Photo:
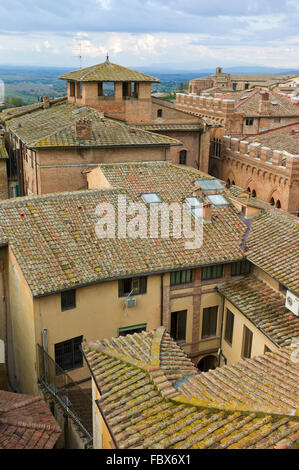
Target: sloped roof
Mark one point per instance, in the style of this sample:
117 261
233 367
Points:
273 245
255 407
108 72
55 127
26 423
250 105
264 307
54 235
283 139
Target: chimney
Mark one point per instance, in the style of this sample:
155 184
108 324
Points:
264 106
207 210
84 128
46 102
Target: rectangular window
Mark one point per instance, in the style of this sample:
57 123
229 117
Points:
133 286
241 267
212 272
247 343
72 89
178 325
159 113
209 322
229 326
100 89
79 89
249 121
130 330
68 300
181 277
68 354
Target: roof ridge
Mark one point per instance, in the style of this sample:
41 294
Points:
21 404
234 407
24 424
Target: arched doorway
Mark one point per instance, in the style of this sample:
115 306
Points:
228 183
278 204
272 202
207 363
233 183
183 157
253 194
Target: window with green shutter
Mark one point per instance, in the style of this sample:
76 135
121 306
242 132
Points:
212 272
181 277
229 326
241 267
247 343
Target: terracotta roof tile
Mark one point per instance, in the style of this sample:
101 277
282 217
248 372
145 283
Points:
248 405
108 72
264 306
26 423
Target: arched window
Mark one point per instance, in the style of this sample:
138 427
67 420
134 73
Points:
272 202
249 190
253 194
278 204
183 157
159 113
228 183
207 363
233 183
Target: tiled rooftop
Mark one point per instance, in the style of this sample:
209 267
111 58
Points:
108 72
26 423
273 245
284 139
253 404
54 235
55 127
171 127
250 106
264 307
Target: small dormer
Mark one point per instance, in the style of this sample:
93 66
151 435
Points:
117 91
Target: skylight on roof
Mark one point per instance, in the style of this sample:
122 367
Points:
195 205
151 198
218 200
210 184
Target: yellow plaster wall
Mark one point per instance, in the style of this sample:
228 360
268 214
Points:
233 353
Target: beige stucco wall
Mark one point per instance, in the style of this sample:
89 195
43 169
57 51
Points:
233 353
99 313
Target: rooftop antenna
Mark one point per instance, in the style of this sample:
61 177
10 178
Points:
79 56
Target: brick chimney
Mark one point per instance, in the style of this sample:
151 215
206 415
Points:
207 210
84 128
46 102
264 106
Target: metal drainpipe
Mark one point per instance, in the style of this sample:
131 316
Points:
162 303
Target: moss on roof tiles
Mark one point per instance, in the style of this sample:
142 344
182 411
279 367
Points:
54 240
108 72
255 400
264 307
55 127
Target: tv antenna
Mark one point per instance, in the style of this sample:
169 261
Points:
79 55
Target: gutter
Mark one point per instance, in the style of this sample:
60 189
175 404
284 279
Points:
97 401
128 276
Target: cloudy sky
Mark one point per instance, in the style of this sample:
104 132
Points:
179 34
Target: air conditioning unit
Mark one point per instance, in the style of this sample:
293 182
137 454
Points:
130 302
292 303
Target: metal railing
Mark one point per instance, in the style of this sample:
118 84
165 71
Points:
68 393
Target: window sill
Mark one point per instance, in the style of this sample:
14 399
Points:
182 286
65 309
